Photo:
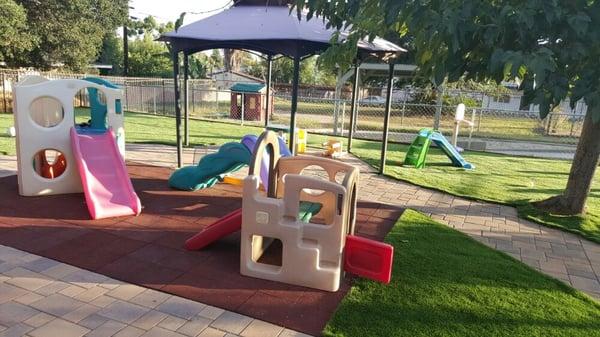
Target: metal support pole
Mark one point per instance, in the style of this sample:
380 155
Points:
175 57
186 101
386 120
294 108
268 95
125 52
353 109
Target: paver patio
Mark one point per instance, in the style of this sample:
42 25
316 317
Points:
565 256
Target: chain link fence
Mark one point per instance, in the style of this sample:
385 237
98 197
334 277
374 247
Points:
495 119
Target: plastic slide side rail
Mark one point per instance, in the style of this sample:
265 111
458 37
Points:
368 258
226 225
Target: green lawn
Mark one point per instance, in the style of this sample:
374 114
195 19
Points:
497 178
446 284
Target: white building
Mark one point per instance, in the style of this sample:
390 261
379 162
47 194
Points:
226 79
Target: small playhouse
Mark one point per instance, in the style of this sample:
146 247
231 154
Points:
248 101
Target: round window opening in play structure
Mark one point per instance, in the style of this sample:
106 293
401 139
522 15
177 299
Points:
49 163
314 171
46 112
90 107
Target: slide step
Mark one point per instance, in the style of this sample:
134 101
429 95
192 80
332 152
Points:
368 258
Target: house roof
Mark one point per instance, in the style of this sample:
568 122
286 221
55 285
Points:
248 76
248 87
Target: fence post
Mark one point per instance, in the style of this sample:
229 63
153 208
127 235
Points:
403 109
343 117
243 109
336 105
4 92
217 102
154 99
164 102
126 97
438 108
193 110
142 103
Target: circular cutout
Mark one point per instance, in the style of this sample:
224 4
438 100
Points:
46 111
49 163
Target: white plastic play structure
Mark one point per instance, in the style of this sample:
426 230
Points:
312 253
459 117
45 127
307 214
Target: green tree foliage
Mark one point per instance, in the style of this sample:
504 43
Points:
311 72
112 54
15 38
149 58
67 32
551 47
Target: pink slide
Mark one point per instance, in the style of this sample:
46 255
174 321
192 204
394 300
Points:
106 184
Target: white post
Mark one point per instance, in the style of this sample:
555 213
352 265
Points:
243 108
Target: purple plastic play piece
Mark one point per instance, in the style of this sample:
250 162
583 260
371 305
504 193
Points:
250 142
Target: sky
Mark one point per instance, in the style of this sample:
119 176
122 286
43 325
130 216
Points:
169 10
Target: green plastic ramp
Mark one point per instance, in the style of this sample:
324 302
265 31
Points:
211 168
417 152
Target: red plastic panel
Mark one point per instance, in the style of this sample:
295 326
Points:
228 224
368 258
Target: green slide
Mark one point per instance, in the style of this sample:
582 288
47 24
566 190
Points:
211 168
417 152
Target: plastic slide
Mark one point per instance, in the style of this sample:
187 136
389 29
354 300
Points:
211 168
417 152
106 184
214 167
450 151
232 223
226 225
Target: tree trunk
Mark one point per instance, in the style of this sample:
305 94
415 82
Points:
585 162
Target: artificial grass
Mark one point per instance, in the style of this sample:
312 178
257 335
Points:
447 284
497 178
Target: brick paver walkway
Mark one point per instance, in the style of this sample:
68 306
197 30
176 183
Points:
39 296
43 297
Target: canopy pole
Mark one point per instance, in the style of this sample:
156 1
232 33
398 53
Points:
386 120
268 95
175 57
294 108
353 109
186 105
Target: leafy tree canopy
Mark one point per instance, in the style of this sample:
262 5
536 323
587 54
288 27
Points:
64 32
14 34
551 47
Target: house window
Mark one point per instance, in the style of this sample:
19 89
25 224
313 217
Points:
501 99
252 103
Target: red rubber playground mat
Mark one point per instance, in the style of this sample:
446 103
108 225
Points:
148 250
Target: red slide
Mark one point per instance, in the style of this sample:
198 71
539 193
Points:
228 224
368 258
